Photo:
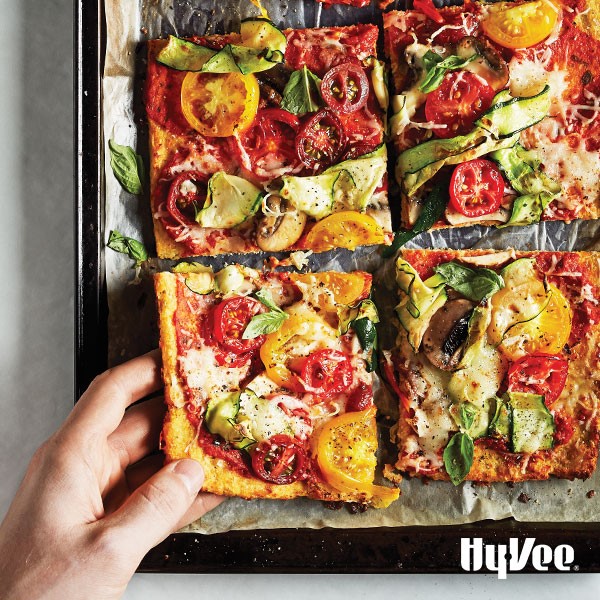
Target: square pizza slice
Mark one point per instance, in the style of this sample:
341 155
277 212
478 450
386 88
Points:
268 382
267 140
496 106
496 364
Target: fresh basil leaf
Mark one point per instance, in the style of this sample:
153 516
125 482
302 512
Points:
474 284
367 336
127 166
467 413
126 245
433 210
264 296
264 324
302 93
458 457
431 59
438 69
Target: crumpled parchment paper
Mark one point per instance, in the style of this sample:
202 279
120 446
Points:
132 311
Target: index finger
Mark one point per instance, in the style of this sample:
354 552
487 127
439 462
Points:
102 406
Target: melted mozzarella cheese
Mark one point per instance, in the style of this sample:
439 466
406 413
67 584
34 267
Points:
201 373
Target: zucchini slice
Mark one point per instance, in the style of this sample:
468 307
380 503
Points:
183 55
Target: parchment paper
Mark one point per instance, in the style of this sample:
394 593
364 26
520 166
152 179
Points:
132 312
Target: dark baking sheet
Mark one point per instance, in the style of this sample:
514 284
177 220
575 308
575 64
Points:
378 550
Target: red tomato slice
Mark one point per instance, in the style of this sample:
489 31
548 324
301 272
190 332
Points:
321 141
428 8
345 88
186 197
280 460
360 398
230 319
327 373
543 374
457 103
271 141
476 188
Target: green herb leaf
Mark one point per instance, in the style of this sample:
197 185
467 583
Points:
265 297
268 322
475 284
438 67
126 245
367 336
264 324
467 413
458 457
302 93
127 166
433 210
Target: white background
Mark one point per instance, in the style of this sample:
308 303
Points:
36 315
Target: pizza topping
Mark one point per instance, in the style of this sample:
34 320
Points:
280 460
484 61
229 202
187 195
280 226
321 141
543 374
457 103
346 455
427 7
532 423
184 55
219 105
302 92
346 229
266 322
327 373
231 319
476 188
520 26
444 339
270 142
475 284
345 88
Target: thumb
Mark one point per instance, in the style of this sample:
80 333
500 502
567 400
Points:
158 506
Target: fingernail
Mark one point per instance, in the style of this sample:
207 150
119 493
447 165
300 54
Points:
191 473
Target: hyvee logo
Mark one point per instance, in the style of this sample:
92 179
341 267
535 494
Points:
512 559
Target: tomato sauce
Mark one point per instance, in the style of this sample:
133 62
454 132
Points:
425 263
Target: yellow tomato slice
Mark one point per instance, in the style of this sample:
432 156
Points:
302 332
219 104
545 334
346 288
346 455
520 26
346 229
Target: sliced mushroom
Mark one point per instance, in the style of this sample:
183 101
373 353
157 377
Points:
281 226
447 333
489 64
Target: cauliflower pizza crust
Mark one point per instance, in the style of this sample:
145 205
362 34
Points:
504 98
284 156
267 382
503 388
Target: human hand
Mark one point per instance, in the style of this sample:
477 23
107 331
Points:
94 499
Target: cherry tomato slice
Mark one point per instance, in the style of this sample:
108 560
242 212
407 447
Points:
476 188
270 141
360 398
428 8
345 88
544 374
230 318
522 25
186 197
457 103
327 373
280 460
321 141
